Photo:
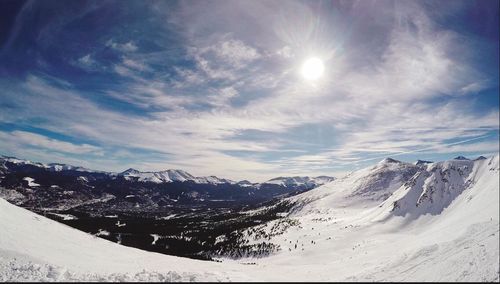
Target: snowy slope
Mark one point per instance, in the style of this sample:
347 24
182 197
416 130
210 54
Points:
157 177
348 230
300 181
363 188
34 248
445 228
171 176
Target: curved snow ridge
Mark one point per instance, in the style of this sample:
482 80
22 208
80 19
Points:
360 189
399 188
432 190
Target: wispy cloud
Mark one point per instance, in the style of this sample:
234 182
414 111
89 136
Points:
209 94
36 140
123 47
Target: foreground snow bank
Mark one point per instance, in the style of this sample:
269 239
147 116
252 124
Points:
20 268
34 248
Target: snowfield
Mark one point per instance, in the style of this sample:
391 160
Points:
394 221
34 248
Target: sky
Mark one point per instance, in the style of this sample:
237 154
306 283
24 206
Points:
215 87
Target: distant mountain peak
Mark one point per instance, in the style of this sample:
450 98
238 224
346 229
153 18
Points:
300 181
480 158
460 158
129 171
423 162
389 161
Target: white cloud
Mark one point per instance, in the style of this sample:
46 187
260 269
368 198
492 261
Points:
473 87
133 64
224 58
235 52
285 51
86 62
377 102
37 140
222 96
123 47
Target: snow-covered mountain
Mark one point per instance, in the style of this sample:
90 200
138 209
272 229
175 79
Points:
56 167
175 175
300 181
171 176
393 221
438 186
60 186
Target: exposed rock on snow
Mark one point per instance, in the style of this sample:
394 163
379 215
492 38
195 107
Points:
423 162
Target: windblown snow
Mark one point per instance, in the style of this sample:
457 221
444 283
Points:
394 221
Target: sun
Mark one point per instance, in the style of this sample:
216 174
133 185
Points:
313 68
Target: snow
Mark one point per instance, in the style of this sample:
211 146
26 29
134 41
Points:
213 180
83 179
295 181
168 176
102 233
158 177
220 239
19 161
31 182
171 216
53 166
155 238
34 248
65 216
56 167
346 230
344 234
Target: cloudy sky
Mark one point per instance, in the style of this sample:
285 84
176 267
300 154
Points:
215 87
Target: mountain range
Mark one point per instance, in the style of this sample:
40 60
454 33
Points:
65 186
392 221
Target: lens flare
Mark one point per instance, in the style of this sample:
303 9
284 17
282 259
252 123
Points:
313 68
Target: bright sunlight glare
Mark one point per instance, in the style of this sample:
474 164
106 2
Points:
313 68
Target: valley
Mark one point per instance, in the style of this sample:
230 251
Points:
393 221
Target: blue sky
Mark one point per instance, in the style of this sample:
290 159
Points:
214 87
